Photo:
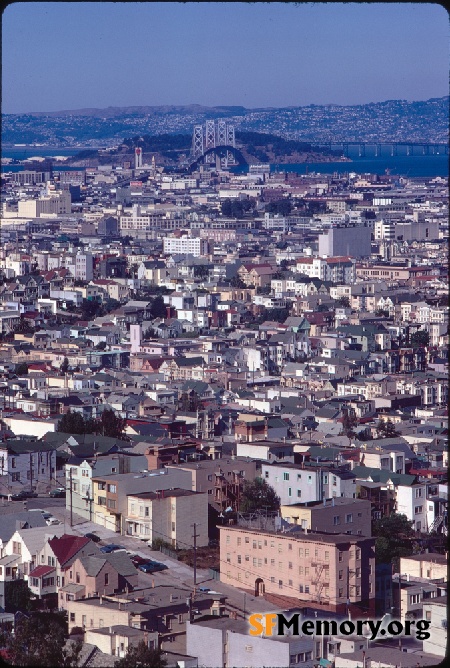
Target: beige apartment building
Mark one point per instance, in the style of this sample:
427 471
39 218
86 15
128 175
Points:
168 515
337 515
330 572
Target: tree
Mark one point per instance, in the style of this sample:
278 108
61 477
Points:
158 308
21 369
40 640
17 596
393 539
101 345
420 339
349 421
111 424
381 427
382 313
390 430
201 270
386 429
90 309
73 422
141 655
64 366
237 282
258 495
344 301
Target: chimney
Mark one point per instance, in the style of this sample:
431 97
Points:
111 630
101 600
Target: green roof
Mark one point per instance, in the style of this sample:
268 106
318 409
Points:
382 475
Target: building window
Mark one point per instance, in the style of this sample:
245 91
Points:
285 476
336 520
106 578
306 589
349 518
239 540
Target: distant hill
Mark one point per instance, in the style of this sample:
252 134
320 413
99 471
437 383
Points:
390 121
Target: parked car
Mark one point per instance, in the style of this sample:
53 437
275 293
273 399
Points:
93 537
59 493
44 513
152 566
137 560
111 548
23 495
52 520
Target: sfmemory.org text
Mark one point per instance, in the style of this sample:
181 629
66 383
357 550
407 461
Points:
272 624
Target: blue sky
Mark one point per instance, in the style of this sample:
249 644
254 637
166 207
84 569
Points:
66 55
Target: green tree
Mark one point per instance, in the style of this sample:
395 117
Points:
40 640
393 536
73 422
237 282
381 427
349 422
21 369
90 309
258 495
201 270
141 656
64 366
390 430
344 301
420 339
17 596
111 424
101 345
158 308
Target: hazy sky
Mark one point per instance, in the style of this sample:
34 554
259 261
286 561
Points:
70 55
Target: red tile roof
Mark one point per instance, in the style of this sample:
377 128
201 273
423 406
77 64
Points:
65 547
40 571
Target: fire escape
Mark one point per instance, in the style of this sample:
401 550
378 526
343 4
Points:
320 578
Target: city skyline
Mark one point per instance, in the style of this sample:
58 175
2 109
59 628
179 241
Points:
212 54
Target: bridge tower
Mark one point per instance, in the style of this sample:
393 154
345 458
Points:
231 141
210 141
221 133
197 142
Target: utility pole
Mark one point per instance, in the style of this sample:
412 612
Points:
195 536
71 491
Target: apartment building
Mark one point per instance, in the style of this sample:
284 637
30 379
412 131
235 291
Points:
349 516
222 480
168 515
328 571
110 506
186 244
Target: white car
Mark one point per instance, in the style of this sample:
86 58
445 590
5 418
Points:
52 520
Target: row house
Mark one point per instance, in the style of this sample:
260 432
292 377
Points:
53 559
256 275
183 368
334 572
26 464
